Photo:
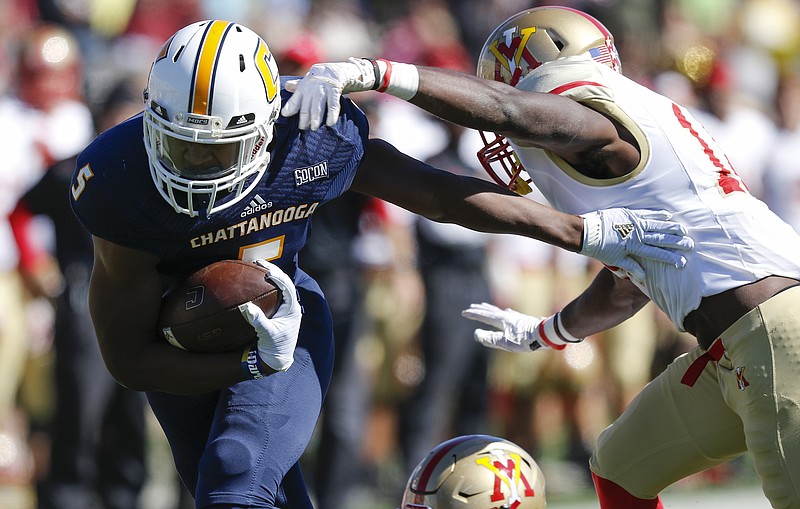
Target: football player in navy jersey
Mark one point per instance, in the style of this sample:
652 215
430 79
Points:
210 171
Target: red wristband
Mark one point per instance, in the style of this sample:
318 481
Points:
387 76
547 341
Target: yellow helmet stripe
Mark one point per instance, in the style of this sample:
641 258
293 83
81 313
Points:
499 56
265 63
525 34
206 65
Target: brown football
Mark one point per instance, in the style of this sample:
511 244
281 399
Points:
201 312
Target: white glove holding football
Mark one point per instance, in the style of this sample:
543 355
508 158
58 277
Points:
616 236
277 336
517 332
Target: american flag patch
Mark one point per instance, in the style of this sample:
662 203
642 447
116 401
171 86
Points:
601 54
606 54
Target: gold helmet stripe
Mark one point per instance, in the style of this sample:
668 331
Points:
205 67
265 63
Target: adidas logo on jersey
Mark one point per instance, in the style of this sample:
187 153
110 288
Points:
257 204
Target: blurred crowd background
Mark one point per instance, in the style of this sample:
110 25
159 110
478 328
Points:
408 373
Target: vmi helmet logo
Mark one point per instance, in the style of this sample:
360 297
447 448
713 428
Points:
512 54
510 482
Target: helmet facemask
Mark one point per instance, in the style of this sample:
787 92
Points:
501 163
210 107
518 46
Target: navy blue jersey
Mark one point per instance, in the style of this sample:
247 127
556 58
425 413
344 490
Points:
115 198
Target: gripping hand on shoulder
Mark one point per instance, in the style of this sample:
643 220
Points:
277 336
316 97
317 94
616 237
517 332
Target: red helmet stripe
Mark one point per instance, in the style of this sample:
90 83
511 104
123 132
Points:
427 472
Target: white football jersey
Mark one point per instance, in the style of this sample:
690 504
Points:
738 240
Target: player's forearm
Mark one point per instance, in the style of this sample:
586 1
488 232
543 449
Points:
607 302
474 203
124 301
543 120
495 211
464 99
141 361
161 367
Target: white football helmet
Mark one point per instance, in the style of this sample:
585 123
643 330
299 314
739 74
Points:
211 101
476 472
521 44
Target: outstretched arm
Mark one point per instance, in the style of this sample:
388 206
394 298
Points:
573 131
477 204
612 236
607 302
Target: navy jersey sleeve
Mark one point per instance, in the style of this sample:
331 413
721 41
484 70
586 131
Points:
352 125
111 192
341 145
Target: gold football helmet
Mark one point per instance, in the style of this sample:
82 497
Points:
476 472
521 44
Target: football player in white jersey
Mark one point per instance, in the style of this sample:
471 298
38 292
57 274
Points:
549 81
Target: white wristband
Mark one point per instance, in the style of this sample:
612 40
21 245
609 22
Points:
397 79
563 332
553 333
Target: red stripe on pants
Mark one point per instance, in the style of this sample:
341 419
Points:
612 496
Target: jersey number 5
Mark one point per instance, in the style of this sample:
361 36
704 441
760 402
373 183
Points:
84 174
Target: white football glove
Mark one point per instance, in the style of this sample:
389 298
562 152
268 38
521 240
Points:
616 236
517 332
317 95
277 336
